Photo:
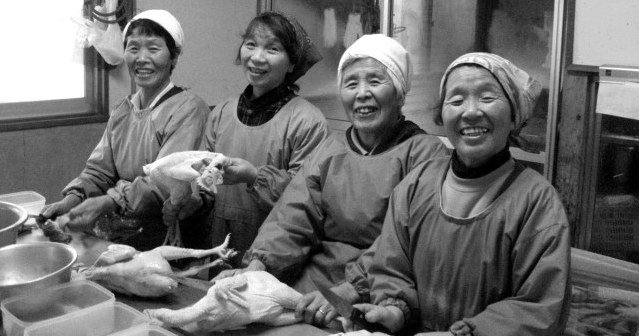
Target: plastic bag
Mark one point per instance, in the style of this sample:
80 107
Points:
105 38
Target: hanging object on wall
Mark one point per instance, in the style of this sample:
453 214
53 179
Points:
353 30
102 30
330 28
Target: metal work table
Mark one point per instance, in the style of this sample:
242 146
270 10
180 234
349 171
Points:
89 248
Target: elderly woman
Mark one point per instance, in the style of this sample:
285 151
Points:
267 131
333 209
159 119
475 244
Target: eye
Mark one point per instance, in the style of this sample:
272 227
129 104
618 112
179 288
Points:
351 84
249 44
454 101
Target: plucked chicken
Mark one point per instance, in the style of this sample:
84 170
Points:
125 270
233 303
183 173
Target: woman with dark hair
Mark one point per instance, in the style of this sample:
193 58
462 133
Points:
267 131
159 119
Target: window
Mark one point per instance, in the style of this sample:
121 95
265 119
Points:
46 80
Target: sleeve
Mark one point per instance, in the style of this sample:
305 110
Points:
99 173
390 273
271 181
183 131
288 235
356 272
540 280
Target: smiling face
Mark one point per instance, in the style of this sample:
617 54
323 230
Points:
149 61
476 114
369 99
264 60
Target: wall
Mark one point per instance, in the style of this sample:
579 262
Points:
46 159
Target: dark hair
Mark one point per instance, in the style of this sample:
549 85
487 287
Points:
151 28
285 33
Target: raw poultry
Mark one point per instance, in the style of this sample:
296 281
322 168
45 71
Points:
233 303
148 274
183 173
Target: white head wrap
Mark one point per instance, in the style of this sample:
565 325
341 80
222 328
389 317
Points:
521 89
385 50
166 20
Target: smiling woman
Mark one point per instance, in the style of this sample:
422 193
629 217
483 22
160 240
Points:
46 79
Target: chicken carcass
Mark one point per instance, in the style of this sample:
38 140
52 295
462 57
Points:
182 173
148 274
233 303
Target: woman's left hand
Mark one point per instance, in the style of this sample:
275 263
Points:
84 215
314 308
239 171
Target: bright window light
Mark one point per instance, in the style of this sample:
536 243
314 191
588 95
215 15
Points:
39 58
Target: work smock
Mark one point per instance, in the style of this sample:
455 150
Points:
135 137
276 148
505 270
333 210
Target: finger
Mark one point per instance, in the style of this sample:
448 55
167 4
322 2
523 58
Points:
300 309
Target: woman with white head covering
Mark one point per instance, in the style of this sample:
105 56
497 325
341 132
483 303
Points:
159 119
475 244
332 210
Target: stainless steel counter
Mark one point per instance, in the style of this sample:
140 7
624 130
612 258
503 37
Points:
89 248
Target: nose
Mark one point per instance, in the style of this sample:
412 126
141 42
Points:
142 55
362 92
472 110
257 55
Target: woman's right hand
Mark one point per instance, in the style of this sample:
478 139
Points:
390 317
61 207
254 265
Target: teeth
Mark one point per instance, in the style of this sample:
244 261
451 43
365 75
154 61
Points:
474 131
143 71
365 109
257 71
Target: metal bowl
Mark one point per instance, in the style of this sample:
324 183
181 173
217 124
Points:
12 216
25 268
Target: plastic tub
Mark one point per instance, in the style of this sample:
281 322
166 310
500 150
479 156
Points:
30 200
145 330
100 321
22 311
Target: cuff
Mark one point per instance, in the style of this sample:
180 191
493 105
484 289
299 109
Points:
348 291
77 193
118 198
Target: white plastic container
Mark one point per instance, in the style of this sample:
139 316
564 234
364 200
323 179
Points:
50 304
145 330
102 321
30 200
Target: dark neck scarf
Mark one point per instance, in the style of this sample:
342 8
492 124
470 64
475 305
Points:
255 112
401 131
463 171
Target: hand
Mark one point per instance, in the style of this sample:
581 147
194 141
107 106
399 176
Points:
314 309
172 213
461 328
61 207
254 265
390 317
84 215
239 171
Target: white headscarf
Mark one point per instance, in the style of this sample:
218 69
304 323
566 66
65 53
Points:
388 52
521 90
166 20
